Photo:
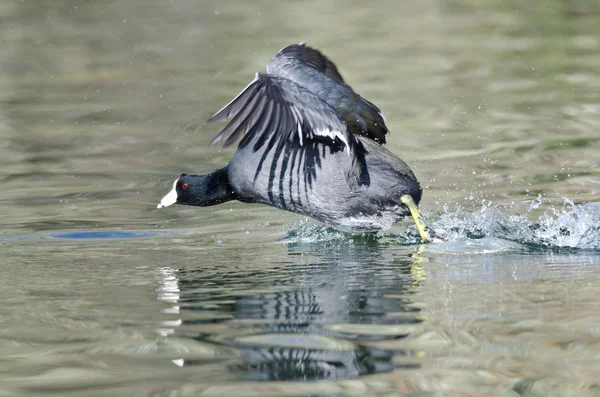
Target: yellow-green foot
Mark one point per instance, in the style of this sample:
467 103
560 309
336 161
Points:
414 211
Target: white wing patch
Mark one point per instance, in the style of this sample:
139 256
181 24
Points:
333 135
300 132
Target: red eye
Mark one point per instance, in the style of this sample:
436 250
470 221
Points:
185 186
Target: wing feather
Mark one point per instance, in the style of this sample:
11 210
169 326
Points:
313 58
314 71
273 112
275 105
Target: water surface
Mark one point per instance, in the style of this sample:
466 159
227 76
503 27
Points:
495 106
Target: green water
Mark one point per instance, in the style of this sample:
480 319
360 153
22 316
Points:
495 105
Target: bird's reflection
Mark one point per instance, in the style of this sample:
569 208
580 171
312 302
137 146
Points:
311 364
311 320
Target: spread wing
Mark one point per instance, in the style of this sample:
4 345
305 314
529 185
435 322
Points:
274 109
274 105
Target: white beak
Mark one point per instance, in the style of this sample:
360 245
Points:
170 198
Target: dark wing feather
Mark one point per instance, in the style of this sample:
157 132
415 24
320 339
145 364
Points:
314 71
275 107
313 58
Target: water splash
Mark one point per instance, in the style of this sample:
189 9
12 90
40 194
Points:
570 226
574 225
309 232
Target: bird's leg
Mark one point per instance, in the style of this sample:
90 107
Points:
414 211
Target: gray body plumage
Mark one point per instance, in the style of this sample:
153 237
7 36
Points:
320 189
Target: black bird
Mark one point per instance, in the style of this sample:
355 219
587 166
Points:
310 145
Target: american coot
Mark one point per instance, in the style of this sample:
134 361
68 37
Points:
310 145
